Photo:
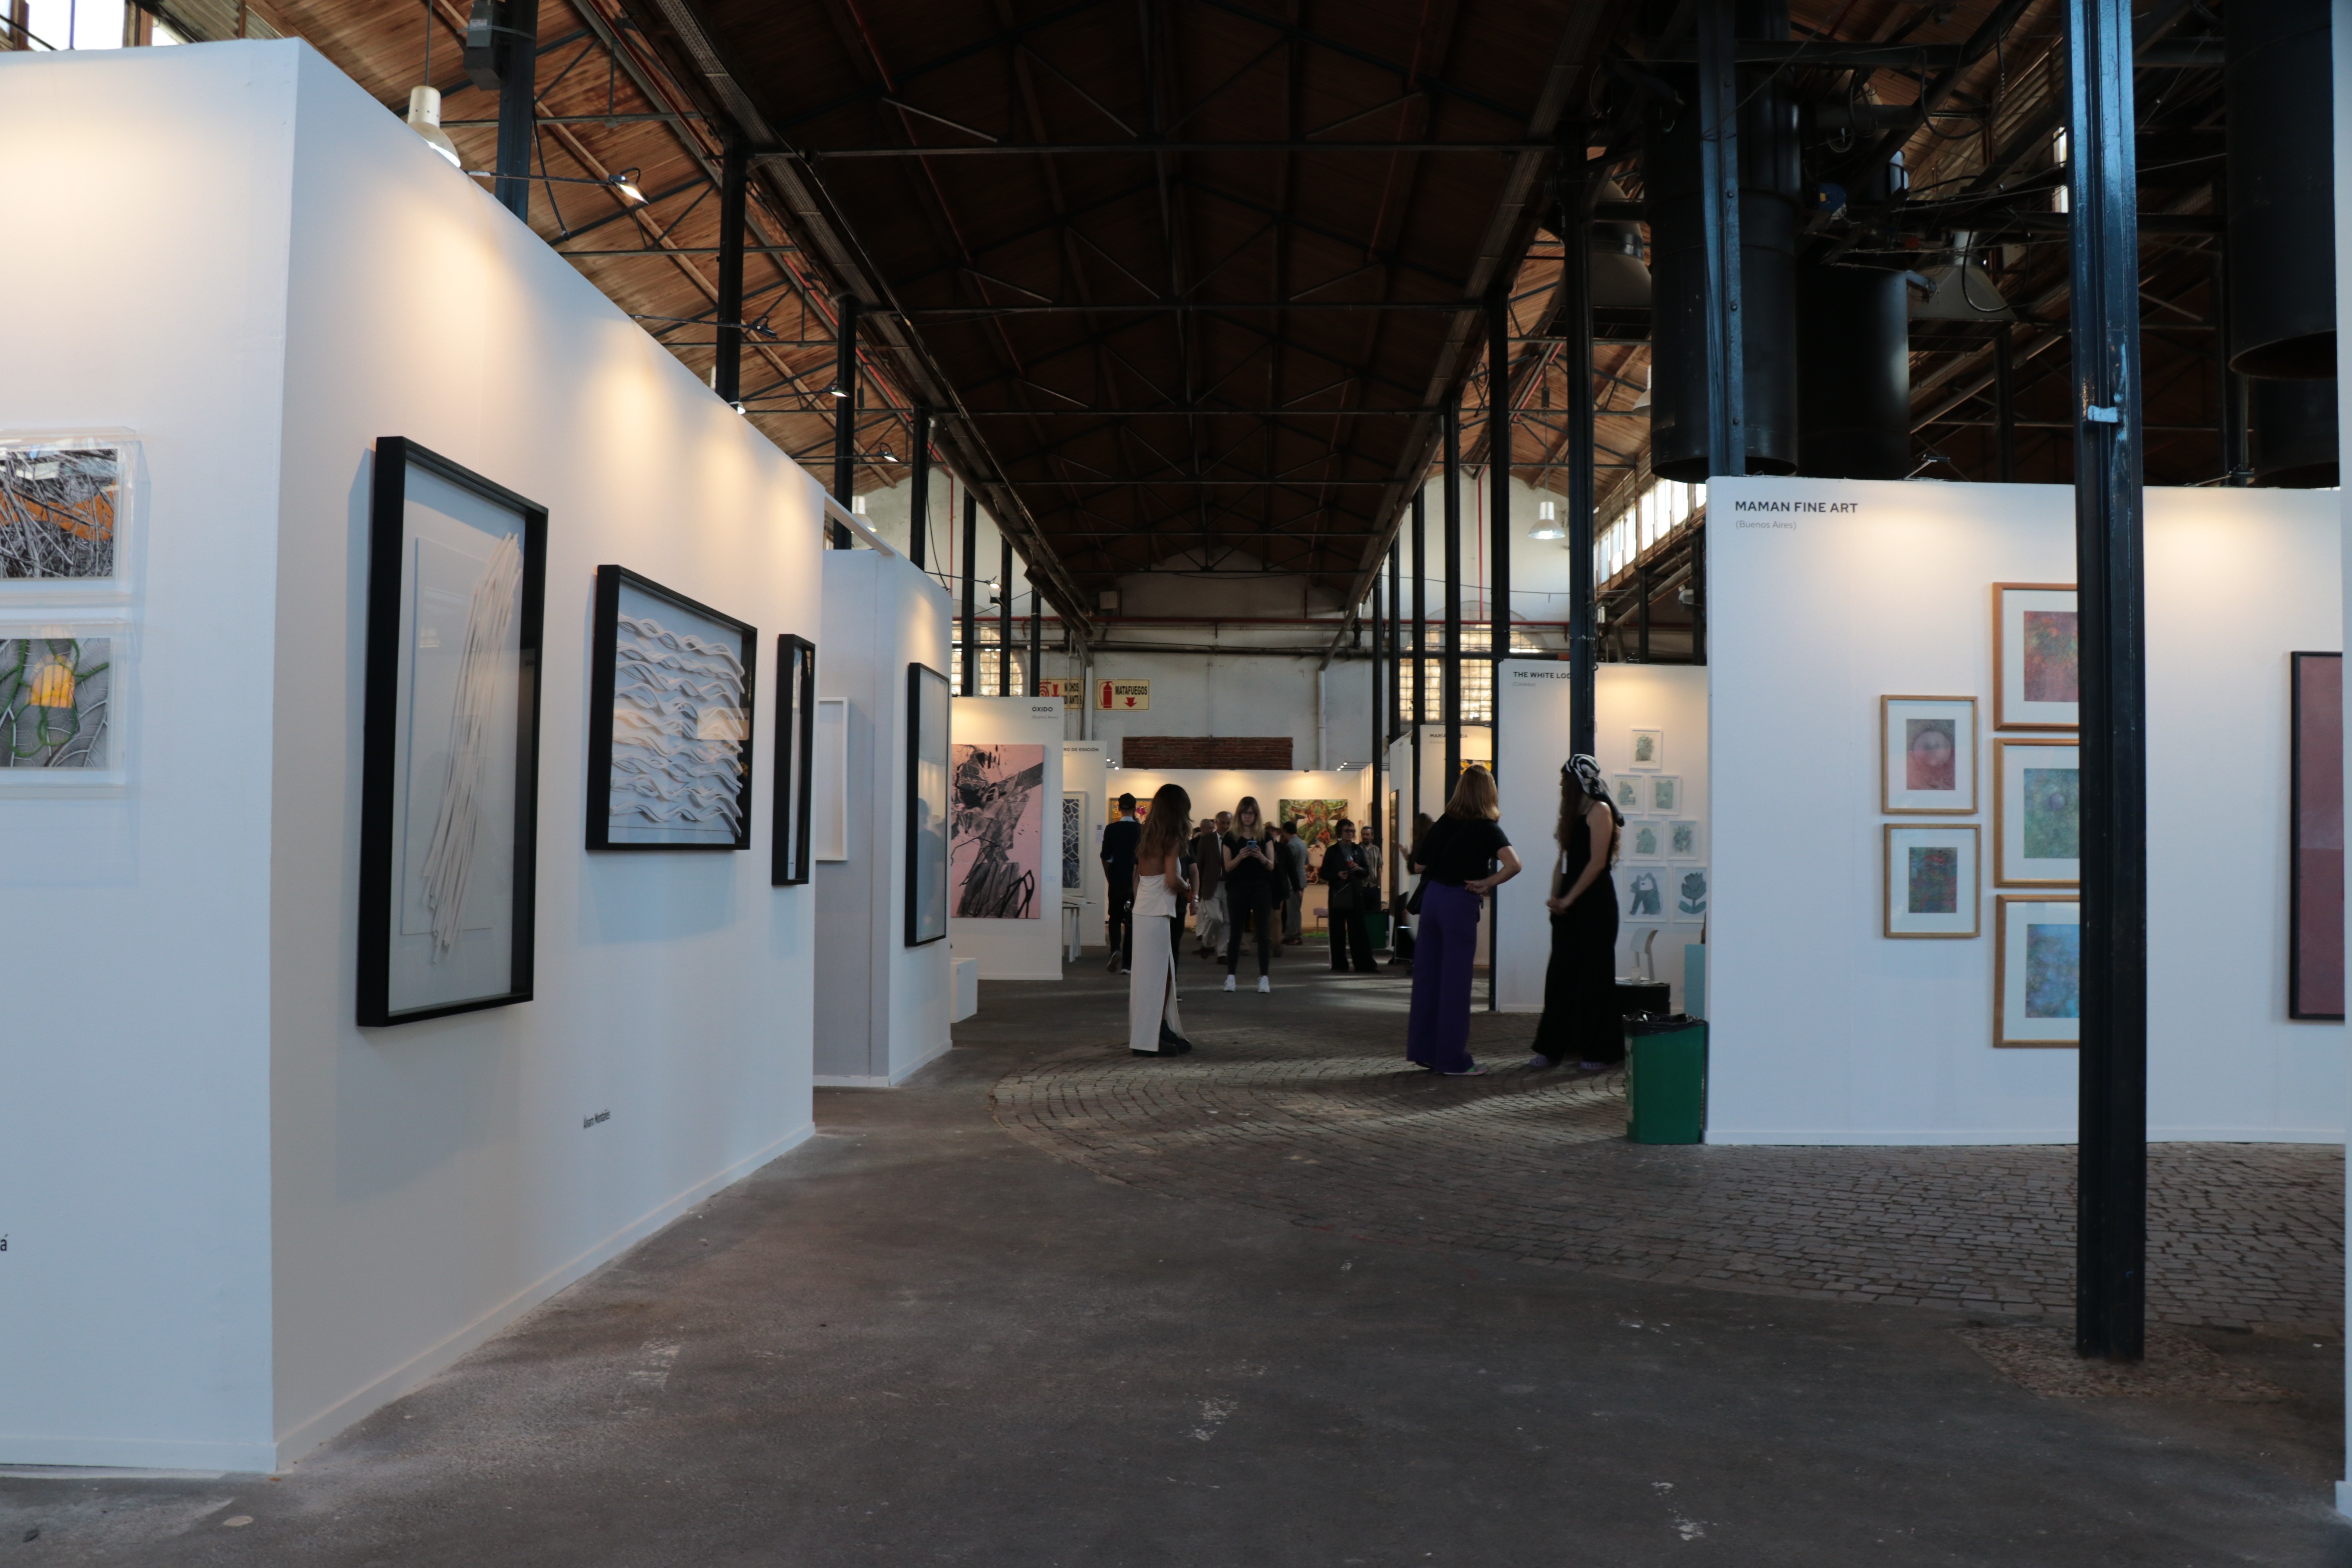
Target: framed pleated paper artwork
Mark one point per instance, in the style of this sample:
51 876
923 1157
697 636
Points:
669 720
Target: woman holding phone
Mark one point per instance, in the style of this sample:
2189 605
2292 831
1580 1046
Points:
1250 874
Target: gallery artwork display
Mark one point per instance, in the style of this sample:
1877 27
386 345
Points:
927 805
1644 841
1690 893
1928 757
794 803
997 842
1931 879
1649 749
669 720
2037 812
65 502
2315 973
1644 895
449 776
57 709
1685 840
2038 970
2037 657
1626 790
1318 821
1073 841
1664 795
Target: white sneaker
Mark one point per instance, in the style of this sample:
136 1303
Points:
1229 982
1265 984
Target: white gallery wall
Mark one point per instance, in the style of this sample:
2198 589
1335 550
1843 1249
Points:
240 1221
1012 949
1667 698
881 1006
1825 1031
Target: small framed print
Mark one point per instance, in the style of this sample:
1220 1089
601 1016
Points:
1928 757
1631 797
2037 813
1642 893
1931 884
1685 840
669 720
67 503
1664 795
2036 656
1686 894
1644 841
2037 970
793 791
1649 749
61 707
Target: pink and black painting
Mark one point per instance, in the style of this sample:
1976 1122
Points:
996 811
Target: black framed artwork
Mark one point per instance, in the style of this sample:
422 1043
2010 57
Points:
795 742
449 752
927 805
2315 951
669 720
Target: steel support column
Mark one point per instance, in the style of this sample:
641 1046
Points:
1003 616
2237 456
1449 667
1419 634
1036 634
518 104
1576 316
1718 111
2004 406
1498 604
971 682
845 418
919 494
2111 1245
734 175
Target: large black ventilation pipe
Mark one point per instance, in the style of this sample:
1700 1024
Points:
2295 433
2281 273
1771 182
1854 373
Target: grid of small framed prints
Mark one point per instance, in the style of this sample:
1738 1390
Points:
68 505
1929 774
1661 876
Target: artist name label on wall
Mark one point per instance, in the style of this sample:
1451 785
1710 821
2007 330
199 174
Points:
1783 513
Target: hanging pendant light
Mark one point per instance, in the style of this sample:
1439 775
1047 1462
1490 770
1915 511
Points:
1546 523
424 118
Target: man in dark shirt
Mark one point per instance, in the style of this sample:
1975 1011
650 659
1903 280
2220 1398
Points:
1119 842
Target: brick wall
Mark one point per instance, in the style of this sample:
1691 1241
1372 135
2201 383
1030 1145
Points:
1163 752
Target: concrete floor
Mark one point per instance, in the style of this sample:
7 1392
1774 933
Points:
918 1340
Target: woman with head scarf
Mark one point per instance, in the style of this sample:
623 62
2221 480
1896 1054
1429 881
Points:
1162 892
1580 1015
1457 858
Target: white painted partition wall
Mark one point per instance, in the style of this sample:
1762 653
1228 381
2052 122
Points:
882 1007
238 1221
2340 47
1825 1031
1016 949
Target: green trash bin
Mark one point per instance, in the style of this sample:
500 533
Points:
1666 1079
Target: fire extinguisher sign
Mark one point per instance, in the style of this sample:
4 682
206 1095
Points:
1122 696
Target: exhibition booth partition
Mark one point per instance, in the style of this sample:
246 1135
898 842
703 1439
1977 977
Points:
408 749
1003 893
1892 938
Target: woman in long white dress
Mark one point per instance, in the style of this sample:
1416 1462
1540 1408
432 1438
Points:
1155 1028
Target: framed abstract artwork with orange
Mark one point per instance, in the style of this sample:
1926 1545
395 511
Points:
2037 657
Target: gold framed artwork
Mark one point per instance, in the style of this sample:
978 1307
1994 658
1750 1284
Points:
2037 812
1928 757
2037 970
2036 656
1933 885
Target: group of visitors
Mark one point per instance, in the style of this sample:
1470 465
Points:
1231 871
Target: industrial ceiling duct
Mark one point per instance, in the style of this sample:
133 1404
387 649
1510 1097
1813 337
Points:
1620 280
1854 373
2281 250
1770 181
2293 434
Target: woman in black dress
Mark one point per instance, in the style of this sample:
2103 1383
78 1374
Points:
1580 1015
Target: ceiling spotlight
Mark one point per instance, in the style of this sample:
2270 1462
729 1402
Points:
424 118
625 181
1547 522
837 390
887 456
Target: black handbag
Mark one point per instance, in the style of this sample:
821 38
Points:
1412 904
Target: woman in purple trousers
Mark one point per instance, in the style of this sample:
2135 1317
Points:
1457 859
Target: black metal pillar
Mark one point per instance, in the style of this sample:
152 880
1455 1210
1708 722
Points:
1576 317
1396 638
1036 634
919 494
2004 406
1641 615
2111 1246
971 682
1003 616
1498 500
502 53
1449 667
734 176
1718 111
845 414
2237 458
1420 632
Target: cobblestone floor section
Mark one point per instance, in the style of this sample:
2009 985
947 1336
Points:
1306 1120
